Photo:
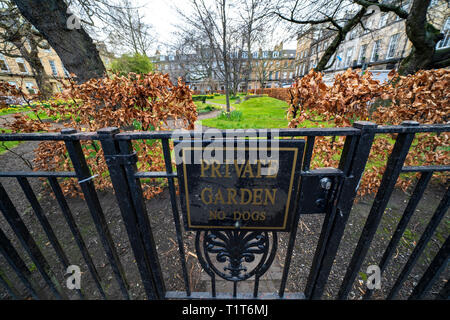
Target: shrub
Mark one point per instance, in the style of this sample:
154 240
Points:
202 98
277 93
199 98
206 108
423 97
137 63
143 102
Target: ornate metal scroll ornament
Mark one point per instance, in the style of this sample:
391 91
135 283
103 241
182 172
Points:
236 248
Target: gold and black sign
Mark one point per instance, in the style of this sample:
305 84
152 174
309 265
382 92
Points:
239 185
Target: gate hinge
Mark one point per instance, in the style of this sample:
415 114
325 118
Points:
125 159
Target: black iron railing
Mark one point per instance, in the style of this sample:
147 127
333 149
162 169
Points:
337 202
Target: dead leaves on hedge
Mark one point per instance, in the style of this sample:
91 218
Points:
144 102
422 97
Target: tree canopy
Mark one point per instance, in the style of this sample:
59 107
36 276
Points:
343 16
136 63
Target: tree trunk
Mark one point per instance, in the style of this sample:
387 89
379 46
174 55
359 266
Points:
41 77
424 38
249 60
225 54
42 81
323 62
32 57
74 47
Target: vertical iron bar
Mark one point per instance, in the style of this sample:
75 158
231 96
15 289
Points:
14 293
407 214
393 168
17 264
143 220
256 287
76 233
308 152
348 153
127 209
15 221
24 184
435 268
28 191
266 265
422 243
327 224
176 215
83 173
213 285
354 158
293 232
331 210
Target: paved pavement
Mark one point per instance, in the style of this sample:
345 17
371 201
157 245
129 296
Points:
269 283
172 124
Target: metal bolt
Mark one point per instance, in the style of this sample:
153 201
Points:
325 183
321 203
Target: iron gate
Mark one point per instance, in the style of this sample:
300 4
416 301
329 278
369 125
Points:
330 191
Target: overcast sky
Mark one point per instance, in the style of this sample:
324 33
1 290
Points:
161 14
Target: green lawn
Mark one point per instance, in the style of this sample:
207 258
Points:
5 145
256 113
25 110
222 100
266 112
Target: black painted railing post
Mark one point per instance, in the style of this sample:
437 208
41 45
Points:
84 176
402 224
176 216
137 233
5 282
134 185
439 263
437 217
393 169
18 265
16 223
353 161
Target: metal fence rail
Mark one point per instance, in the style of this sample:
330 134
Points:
126 179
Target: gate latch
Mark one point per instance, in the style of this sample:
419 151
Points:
317 189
